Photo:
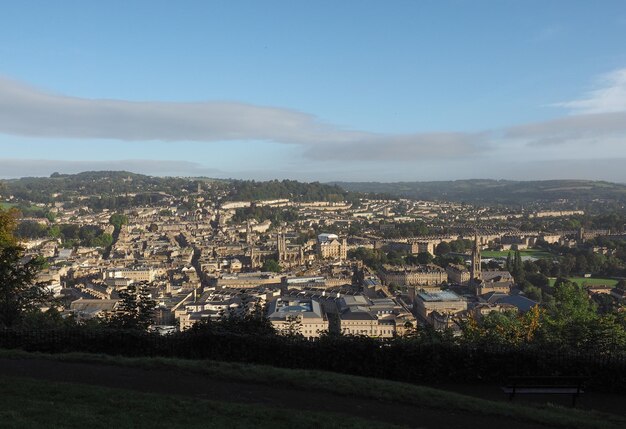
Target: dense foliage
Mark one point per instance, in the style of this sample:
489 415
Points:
569 321
429 357
271 265
20 296
134 311
250 190
261 213
97 183
376 258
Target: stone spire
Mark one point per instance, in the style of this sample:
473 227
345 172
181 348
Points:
476 274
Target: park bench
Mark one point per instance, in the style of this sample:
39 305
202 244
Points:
545 385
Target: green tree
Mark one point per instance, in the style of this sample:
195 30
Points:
424 258
572 303
518 267
442 249
570 316
8 224
135 309
532 292
117 220
509 262
54 231
373 258
31 229
103 240
19 293
508 328
271 265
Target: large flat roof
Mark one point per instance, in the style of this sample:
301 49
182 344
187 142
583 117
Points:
444 295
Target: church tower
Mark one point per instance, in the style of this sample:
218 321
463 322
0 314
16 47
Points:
475 274
282 246
248 234
253 262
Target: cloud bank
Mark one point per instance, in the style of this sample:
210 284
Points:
593 169
570 129
26 111
598 118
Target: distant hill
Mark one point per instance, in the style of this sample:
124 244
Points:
106 184
102 183
496 191
115 183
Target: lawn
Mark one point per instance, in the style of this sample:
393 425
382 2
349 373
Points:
308 380
29 403
591 281
534 253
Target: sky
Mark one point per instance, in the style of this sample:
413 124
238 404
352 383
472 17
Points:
315 90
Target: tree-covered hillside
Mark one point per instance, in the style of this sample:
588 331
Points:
244 190
101 183
496 191
122 189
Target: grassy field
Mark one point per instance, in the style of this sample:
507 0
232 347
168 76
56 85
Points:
333 383
4 205
588 281
535 253
28 403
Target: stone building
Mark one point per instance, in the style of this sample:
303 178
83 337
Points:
298 316
458 274
443 302
374 317
331 247
288 255
413 275
135 274
494 281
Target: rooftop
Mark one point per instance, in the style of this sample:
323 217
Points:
281 308
444 295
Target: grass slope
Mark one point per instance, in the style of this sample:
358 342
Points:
30 403
363 387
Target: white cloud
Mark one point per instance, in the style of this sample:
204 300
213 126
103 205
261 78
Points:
404 147
30 112
570 129
609 96
26 111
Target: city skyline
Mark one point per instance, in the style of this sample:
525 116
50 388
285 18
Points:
362 92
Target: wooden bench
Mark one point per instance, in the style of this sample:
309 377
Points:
542 385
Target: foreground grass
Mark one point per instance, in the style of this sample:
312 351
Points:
33 404
587 281
355 386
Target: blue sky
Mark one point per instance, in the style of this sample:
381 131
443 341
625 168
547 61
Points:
352 90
